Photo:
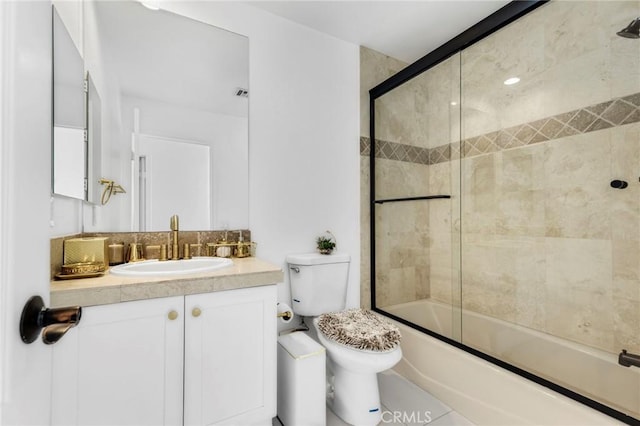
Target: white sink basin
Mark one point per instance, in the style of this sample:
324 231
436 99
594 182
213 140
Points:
170 267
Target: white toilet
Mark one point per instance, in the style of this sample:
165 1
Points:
319 286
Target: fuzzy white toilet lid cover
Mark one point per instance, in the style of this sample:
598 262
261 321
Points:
360 329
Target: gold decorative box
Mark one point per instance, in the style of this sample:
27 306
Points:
88 249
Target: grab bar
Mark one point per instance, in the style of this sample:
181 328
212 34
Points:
425 197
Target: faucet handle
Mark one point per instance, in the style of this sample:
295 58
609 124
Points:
163 252
135 253
174 222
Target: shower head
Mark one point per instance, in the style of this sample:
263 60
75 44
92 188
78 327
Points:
632 30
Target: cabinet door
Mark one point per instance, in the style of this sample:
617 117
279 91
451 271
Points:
122 365
230 357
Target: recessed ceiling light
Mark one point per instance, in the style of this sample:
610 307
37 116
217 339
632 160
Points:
511 81
454 103
149 6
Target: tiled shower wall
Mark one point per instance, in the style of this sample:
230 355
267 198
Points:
374 69
546 242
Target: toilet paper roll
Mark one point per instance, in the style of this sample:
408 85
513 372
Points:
285 313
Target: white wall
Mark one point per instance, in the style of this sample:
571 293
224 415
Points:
65 216
304 159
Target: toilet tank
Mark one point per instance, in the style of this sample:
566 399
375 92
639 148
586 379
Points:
318 282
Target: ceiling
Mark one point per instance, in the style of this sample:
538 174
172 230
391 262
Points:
152 62
405 30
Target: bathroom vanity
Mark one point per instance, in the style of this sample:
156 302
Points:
194 349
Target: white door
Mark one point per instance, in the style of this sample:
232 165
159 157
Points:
25 188
175 177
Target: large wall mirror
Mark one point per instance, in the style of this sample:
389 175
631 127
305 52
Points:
174 130
69 148
173 118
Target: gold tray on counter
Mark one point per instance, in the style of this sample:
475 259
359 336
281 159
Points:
61 276
81 270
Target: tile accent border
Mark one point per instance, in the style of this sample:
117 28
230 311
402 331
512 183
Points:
613 113
407 153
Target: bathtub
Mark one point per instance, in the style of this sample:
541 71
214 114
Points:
588 371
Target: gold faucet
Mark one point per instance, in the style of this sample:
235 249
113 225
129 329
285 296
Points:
175 255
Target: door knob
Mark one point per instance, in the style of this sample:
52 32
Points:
173 315
55 321
196 312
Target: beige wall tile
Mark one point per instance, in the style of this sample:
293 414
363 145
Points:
479 194
565 53
400 179
365 239
579 290
626 318
626 269
375 67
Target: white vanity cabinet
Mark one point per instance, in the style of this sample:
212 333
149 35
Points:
230 357
134 363
122 365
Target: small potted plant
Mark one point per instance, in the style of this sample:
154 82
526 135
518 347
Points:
325 244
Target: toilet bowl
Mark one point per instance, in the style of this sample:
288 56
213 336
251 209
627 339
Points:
352 381
319 286
359 360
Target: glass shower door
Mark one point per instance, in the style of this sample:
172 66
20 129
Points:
550 246
416 202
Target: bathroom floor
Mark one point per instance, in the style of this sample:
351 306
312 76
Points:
404 403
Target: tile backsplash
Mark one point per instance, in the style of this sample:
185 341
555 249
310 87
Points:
150 241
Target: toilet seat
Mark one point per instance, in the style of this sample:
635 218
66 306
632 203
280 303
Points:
359 329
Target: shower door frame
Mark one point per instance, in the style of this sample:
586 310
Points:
504 16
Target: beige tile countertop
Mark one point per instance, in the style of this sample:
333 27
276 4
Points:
107 289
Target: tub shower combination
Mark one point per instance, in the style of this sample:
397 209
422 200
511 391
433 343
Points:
594 372
505 217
